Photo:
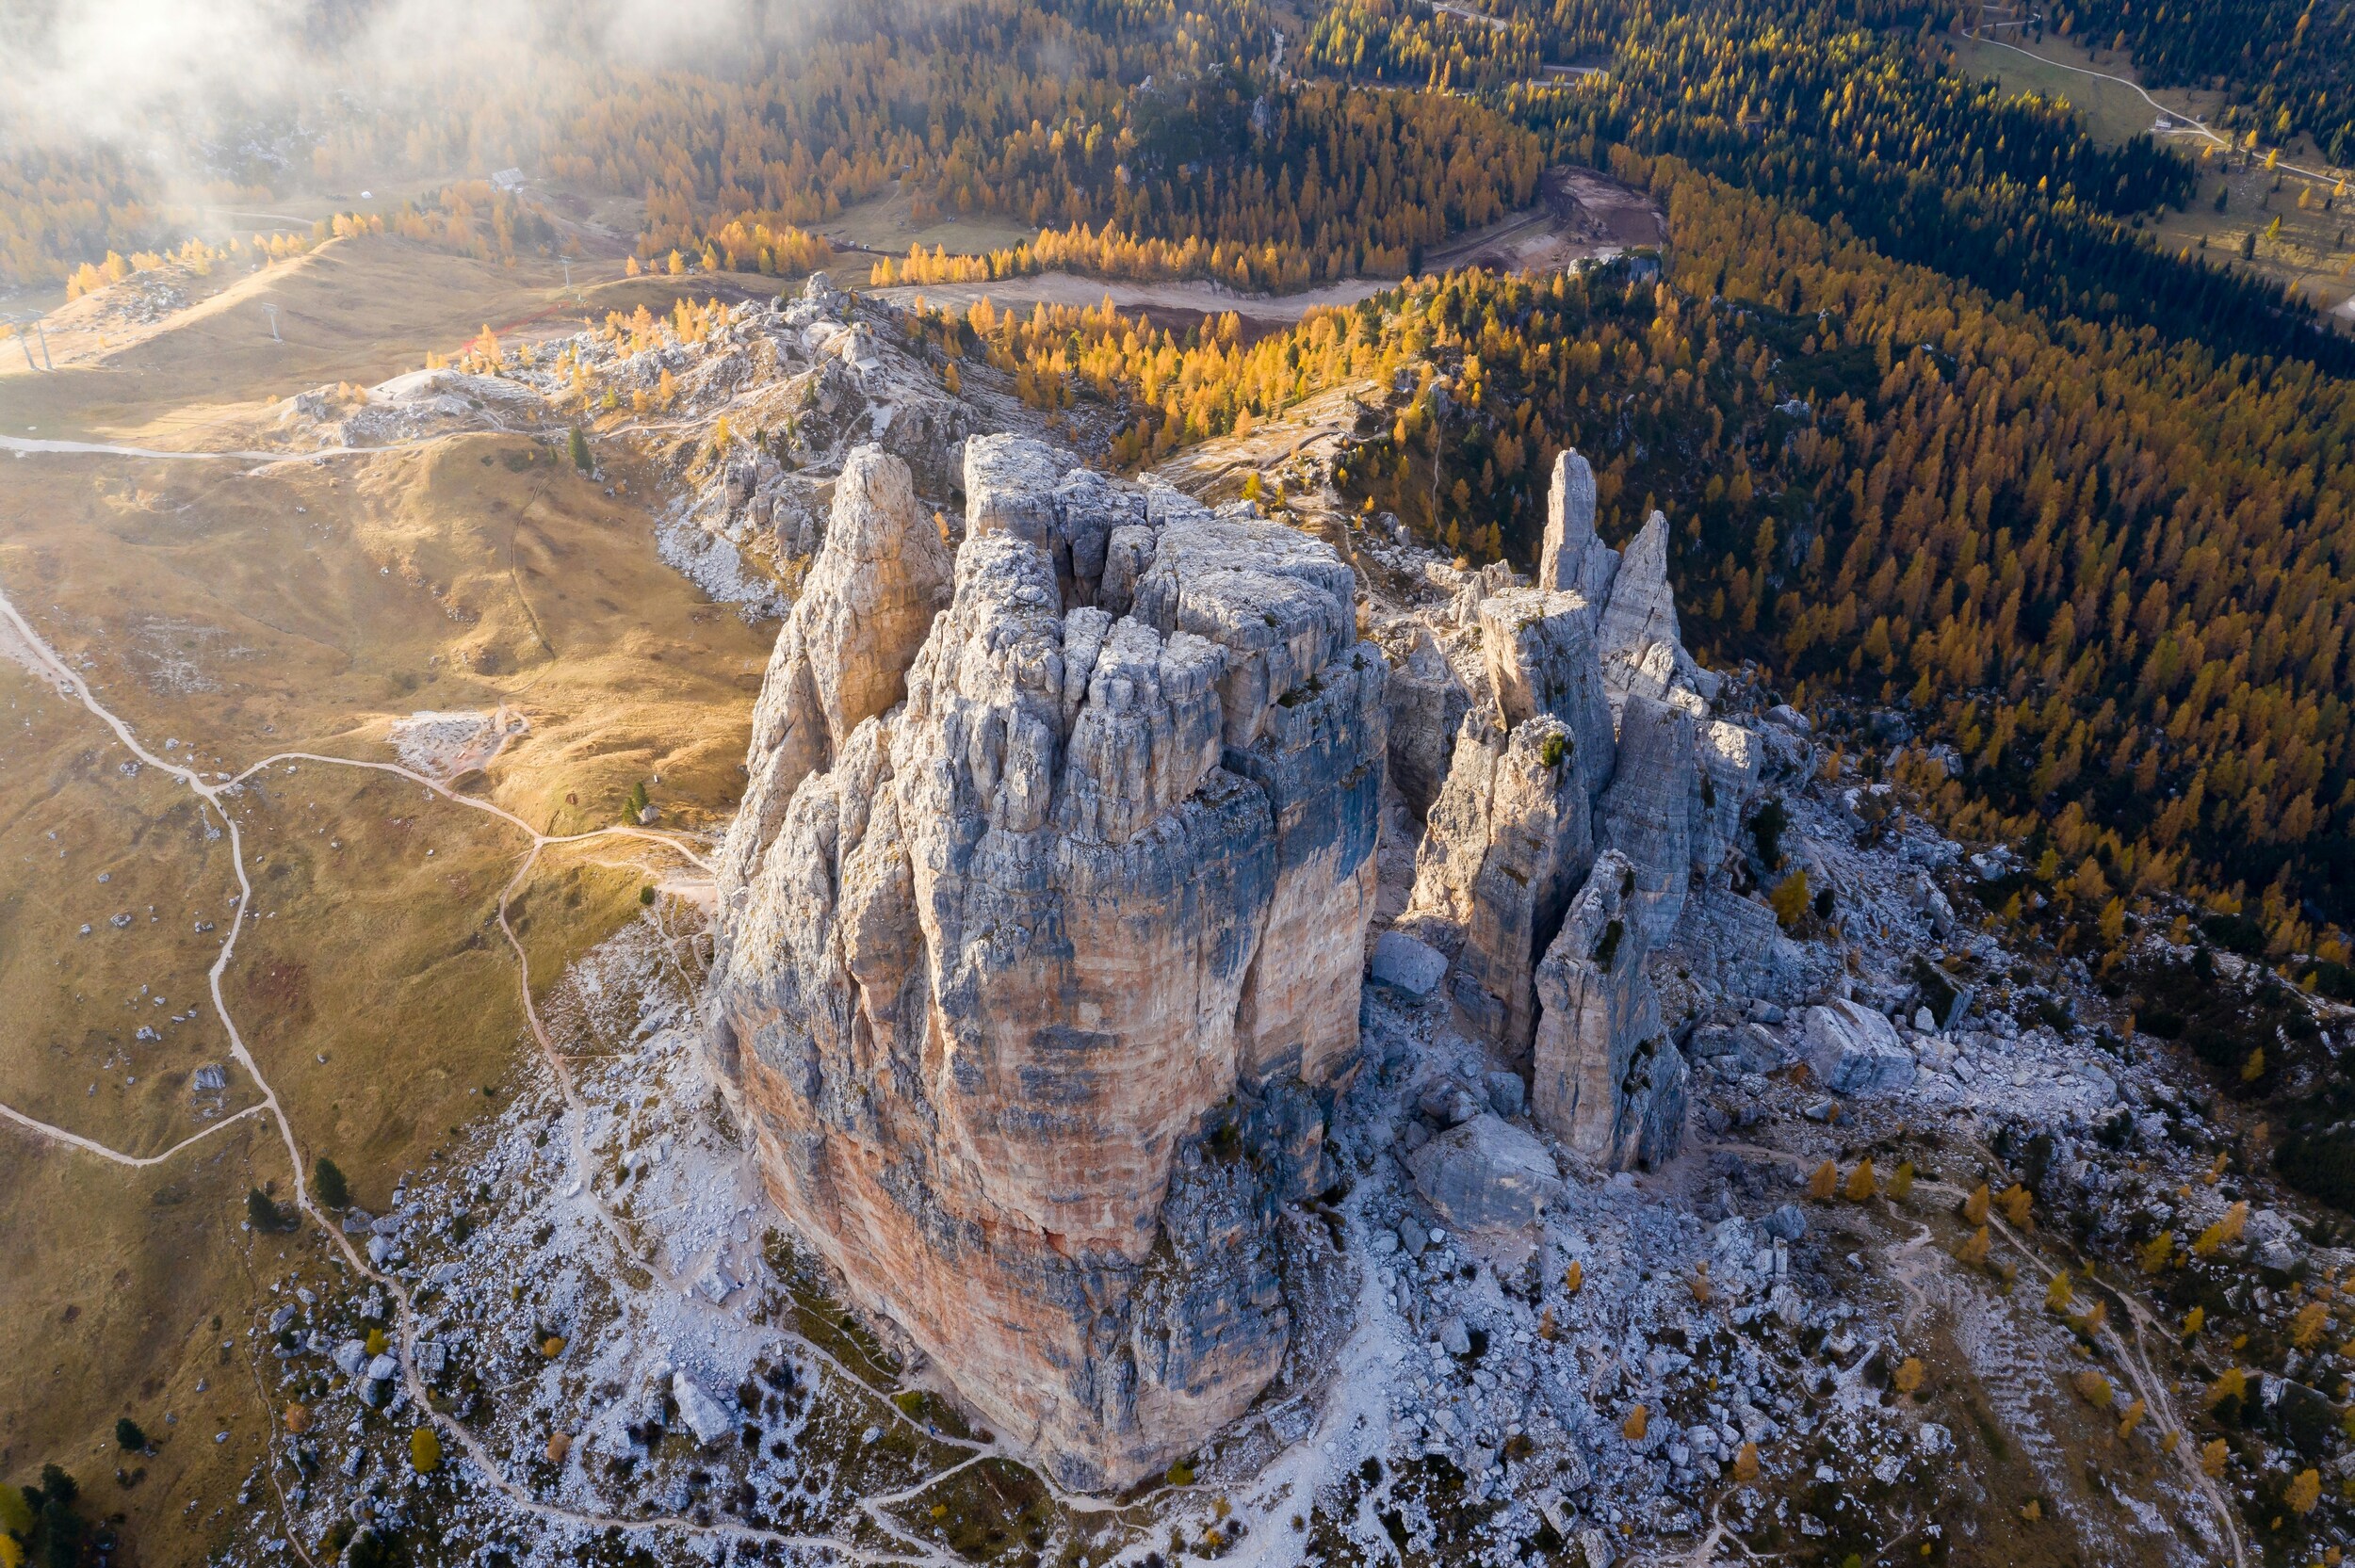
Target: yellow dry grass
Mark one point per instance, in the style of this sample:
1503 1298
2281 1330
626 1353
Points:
245 610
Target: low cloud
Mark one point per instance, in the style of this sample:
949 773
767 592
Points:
141 72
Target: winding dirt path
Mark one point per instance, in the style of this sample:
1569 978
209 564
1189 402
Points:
135 1162
2183 118
2132 1356
48 663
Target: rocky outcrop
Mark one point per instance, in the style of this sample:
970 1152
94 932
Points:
1587 671
1507 845
1606 1078
1642 646
1017 973
844 653
1574 560
1540 655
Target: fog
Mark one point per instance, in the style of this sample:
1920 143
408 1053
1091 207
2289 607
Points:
144 74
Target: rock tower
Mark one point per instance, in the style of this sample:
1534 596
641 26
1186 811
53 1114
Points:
1589 793
1041 931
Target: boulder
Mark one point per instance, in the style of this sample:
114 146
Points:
1854 1051
1786 1224
705 1416
1447 1101
1488 1180
1406 964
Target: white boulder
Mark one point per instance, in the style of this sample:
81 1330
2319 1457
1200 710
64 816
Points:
705 1416
1855 1050
1406 964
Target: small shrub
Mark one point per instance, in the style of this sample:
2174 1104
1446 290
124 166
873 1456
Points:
2306 1326
2223 1232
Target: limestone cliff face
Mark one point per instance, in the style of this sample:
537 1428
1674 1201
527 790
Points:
1646 814
844 653
1016 965
1427 703
1507 845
